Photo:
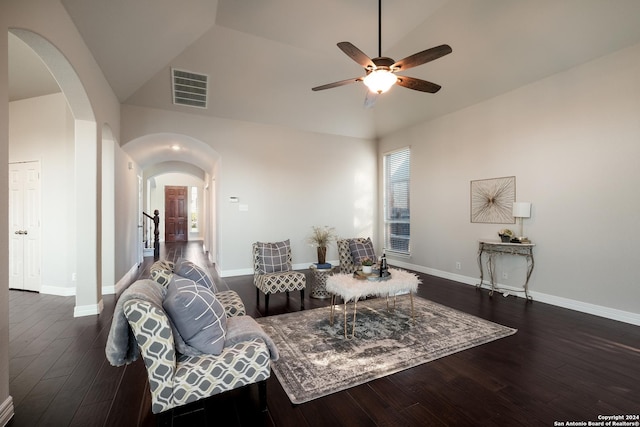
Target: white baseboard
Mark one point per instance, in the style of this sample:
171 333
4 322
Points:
88 310
239 272
6 411
249 271
78 311
583 307
210 256
70 292
61 291
124 281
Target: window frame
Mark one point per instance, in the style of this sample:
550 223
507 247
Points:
403 214
193 211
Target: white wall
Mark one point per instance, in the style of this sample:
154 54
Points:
6 404
210 211
107 212
42 129
572 141
126 213
287 180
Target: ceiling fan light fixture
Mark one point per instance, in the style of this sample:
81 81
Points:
379 71
380 80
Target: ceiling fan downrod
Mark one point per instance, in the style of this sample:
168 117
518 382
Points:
379 28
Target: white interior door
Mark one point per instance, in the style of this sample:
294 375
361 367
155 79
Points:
24 226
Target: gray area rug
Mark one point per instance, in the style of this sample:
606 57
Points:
316 359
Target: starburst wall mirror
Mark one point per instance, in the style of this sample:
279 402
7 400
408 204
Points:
492 200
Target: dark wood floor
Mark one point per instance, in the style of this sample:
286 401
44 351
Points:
560 366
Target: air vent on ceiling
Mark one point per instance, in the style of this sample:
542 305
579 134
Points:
189 88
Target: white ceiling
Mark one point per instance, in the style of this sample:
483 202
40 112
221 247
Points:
264 56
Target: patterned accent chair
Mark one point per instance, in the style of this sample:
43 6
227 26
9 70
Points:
271 283
347 265
176 379
162 271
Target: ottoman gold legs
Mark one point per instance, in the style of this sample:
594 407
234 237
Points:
355 310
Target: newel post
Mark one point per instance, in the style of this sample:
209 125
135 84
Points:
156 234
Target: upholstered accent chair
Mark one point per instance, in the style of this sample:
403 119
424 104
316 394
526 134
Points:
177 379
271 276
347 263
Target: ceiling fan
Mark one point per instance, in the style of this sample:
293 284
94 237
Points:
380 72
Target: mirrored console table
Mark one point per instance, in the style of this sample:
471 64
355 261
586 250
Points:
494 248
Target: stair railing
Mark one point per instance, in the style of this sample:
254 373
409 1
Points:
156 233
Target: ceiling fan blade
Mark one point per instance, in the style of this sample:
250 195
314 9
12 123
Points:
423 57
356 54
418 84
370 99
336 84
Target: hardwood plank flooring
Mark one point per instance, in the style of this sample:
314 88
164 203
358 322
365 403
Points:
561 366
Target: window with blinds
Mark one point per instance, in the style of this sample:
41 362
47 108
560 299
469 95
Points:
397 174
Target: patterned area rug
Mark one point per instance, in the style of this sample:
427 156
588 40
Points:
316 359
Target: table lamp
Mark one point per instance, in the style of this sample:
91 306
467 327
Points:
521 210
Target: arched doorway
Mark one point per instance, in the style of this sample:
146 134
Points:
85 240
163 153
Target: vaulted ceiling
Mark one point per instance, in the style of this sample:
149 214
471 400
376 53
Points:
264 56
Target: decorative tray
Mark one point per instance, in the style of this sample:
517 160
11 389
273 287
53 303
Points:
374 276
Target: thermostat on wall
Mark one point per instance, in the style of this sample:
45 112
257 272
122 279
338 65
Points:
234 199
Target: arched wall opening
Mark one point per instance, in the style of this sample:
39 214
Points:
165 153
84 242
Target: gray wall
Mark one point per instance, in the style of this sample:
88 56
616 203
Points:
287 180
571 141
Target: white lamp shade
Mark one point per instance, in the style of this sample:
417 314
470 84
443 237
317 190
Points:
380 81
522 209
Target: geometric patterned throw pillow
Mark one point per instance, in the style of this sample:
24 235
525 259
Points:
189 270
197 315
361 250
274 257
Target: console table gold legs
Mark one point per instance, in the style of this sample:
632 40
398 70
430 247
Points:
492 249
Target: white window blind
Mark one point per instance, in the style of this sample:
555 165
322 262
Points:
397 172
194 209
